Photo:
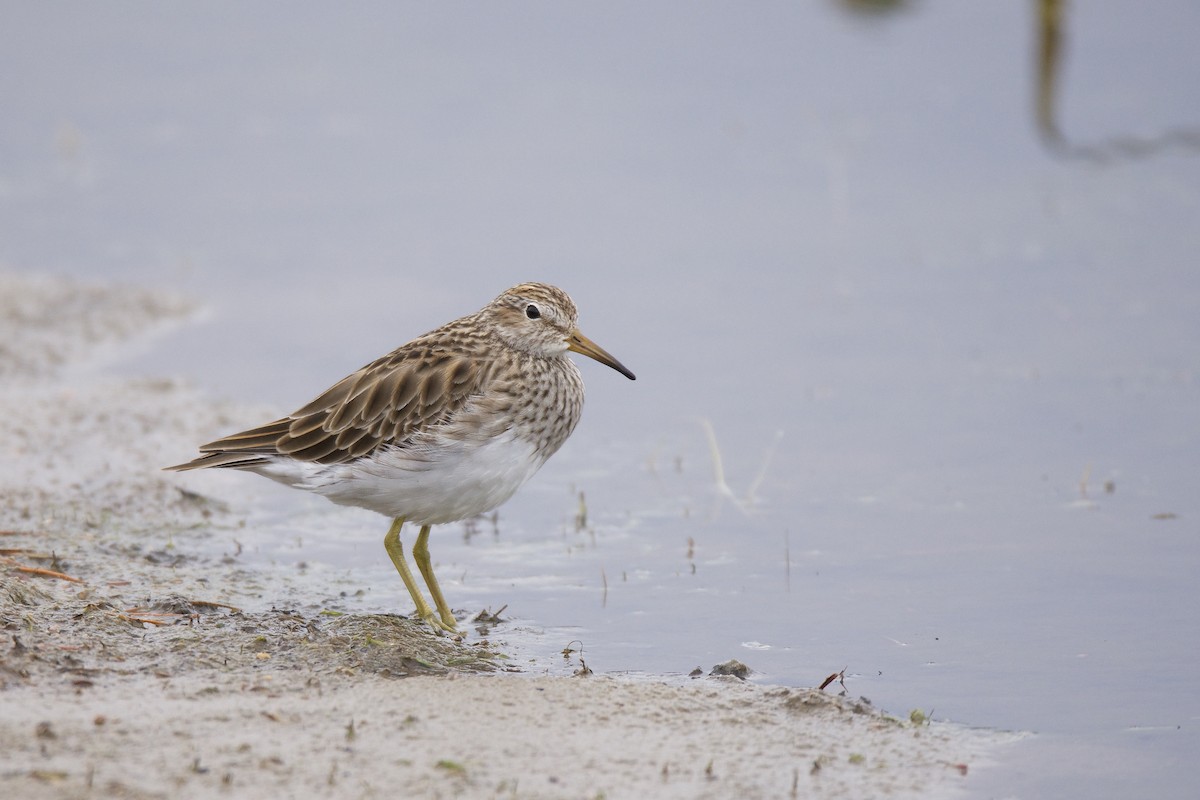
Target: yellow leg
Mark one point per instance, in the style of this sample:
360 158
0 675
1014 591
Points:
395 550
421 556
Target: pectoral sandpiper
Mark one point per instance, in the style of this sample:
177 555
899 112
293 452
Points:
441 429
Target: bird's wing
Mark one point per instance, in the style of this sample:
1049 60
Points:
388 401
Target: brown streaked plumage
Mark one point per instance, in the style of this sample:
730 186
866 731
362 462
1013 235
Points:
442 428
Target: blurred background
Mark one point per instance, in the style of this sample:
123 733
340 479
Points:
910 289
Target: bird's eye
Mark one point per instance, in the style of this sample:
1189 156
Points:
532 311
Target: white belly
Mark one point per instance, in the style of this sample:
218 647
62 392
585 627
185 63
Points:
445 484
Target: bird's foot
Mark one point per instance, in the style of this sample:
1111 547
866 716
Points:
445 623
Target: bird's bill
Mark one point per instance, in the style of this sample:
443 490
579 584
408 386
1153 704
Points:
579 343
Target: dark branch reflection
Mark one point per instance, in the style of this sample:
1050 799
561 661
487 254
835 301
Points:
1051 22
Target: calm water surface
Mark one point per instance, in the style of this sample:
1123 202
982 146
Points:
926 272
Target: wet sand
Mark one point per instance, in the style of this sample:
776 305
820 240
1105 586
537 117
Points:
129 667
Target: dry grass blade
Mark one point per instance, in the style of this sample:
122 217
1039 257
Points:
49 573
151 617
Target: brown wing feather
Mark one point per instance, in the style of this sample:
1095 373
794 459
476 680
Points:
418 386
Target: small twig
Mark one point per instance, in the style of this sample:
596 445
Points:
151 618
839 676
235 609
752 492
49 573
581 514
787 560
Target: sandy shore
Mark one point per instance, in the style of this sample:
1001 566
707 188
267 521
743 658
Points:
128 669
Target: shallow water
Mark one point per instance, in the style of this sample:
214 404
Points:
946 339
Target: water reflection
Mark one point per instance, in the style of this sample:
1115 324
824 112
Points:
873 7
1051 33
